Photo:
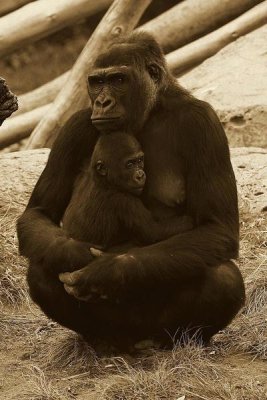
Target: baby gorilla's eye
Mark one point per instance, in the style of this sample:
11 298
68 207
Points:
140 160
130 164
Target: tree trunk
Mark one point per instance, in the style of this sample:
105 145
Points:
170 19
15 129
120 19
41 18
44 94
7 6
194 53
192 18
178 61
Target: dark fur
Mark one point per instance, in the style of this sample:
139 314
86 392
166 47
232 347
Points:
186 281
104 211
8 101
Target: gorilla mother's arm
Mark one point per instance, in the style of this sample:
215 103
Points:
40 237
211 200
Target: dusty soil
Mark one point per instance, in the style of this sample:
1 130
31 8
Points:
42 361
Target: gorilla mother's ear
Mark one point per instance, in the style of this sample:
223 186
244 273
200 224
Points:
155 71
101 168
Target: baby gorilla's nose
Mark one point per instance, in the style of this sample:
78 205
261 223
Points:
140 176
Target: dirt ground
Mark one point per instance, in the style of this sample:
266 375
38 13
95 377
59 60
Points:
43 361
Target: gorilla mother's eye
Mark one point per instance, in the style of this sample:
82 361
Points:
95 80
117 78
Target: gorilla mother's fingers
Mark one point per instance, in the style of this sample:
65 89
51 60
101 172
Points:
71 278
5 113
74 286
10 103
96 252
92 297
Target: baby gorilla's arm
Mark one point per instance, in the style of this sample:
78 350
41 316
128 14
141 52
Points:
138 220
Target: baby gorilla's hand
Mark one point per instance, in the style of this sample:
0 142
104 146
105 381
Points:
8 101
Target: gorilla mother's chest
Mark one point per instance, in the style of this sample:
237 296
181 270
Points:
165 181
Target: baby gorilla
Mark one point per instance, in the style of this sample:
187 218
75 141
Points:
8 101
105 208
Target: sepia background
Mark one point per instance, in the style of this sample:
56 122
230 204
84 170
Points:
218 50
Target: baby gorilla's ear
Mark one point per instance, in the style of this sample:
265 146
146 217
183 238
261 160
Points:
101 168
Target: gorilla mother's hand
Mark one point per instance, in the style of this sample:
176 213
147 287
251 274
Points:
8 101
104 279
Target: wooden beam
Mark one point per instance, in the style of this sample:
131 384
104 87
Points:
41 18
193 18
6 6
120 19
178 61
44 94
17 128
172 21
194 53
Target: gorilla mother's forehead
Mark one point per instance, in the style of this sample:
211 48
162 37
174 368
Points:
110 70
123 54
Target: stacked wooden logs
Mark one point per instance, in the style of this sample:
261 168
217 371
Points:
189 33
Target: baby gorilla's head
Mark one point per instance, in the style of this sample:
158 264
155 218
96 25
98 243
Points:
118 160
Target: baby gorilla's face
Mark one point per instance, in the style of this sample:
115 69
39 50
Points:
128 174
134 176
119 161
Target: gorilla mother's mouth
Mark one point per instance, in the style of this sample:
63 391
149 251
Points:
105 120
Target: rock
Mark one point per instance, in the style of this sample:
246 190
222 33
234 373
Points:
20 171
250 166
234 82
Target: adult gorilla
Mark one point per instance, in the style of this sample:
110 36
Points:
183 283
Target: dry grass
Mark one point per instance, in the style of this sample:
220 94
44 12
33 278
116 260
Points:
17 324
13 288
55 364
67 350
188 371
248 332
39 387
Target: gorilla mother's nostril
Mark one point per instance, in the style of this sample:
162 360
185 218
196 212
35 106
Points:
106 103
